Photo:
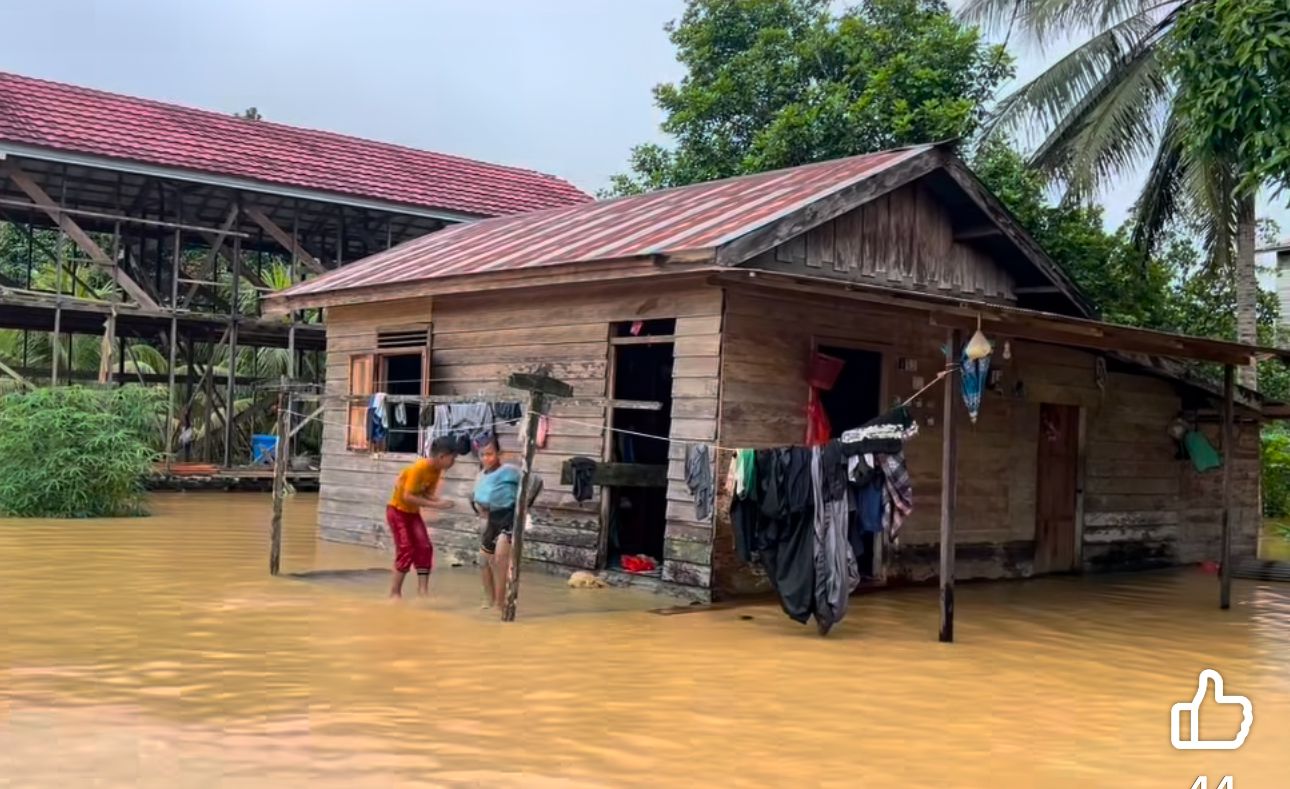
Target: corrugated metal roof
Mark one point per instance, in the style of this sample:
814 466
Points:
72 119
671 221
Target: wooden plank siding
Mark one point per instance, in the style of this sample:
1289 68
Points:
1142 506
904 239
477 340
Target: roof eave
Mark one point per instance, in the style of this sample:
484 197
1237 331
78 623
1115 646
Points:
230 182
614 269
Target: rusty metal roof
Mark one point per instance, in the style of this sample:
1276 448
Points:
668 222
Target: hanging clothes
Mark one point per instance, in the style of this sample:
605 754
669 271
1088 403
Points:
898 493
583 470
897 424
378 419
785 532
401 414
836 571
543 430
698 478
507 412
465 422
745 467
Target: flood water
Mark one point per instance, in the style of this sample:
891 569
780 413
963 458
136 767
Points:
158 652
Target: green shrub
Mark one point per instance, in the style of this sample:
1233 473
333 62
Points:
1276 471
76 452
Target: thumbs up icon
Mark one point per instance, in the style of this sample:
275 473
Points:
1192 708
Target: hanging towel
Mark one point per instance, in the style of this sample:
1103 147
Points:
543 428
698 478
898 493
401 413
507 412
583 470
897 424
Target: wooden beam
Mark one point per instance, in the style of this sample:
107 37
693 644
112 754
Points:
285 240
1036 289
621 475
215 240
949 484
9 371
973 233
1229 457
649 339
820 211
537 406
79 236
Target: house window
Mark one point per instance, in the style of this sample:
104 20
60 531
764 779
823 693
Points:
399 367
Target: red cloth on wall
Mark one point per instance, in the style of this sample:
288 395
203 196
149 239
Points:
818 429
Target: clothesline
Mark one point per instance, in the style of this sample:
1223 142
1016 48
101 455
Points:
623 431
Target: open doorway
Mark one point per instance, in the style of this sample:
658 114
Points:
637 510
856 398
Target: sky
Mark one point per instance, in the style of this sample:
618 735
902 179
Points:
559 86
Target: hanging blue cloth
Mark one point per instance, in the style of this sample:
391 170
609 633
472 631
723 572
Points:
973 375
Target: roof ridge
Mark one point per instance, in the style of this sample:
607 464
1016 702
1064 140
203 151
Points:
216 114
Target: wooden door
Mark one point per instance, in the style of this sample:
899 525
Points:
1056 489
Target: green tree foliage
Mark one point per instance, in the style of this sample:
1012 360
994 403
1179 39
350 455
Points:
1231 60
778 83
76 452
1275 457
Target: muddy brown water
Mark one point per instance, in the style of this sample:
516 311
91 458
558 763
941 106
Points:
158 652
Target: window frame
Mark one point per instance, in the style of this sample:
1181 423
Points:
363 384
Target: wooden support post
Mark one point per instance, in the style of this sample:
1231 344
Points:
540 388
279 484
174 343
1229 455
57 344
230 391
949 483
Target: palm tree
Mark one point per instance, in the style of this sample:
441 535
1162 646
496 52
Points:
1109 106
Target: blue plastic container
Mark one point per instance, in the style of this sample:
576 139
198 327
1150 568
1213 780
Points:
263 448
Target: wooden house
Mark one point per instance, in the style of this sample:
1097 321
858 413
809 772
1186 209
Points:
713 298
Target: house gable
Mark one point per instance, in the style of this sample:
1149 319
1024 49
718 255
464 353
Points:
903 239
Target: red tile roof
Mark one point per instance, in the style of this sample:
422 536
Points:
689 218
71 119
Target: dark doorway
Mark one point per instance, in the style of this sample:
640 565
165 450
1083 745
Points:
856 398
637 516
402 374
1056 489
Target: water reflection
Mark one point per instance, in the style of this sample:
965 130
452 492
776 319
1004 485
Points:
158 652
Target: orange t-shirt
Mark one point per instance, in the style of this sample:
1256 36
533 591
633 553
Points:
419 479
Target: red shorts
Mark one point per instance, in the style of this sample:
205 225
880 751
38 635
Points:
411 540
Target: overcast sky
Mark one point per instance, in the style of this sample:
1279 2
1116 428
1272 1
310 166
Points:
560 86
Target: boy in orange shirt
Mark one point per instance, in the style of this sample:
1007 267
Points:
417 487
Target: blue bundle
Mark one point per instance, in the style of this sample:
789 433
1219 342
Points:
973 375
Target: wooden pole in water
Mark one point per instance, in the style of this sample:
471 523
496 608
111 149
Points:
539 387
949 483
279 484
1229 455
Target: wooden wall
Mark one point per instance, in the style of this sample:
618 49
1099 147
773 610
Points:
904 239
1142 507
477 340
354 487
